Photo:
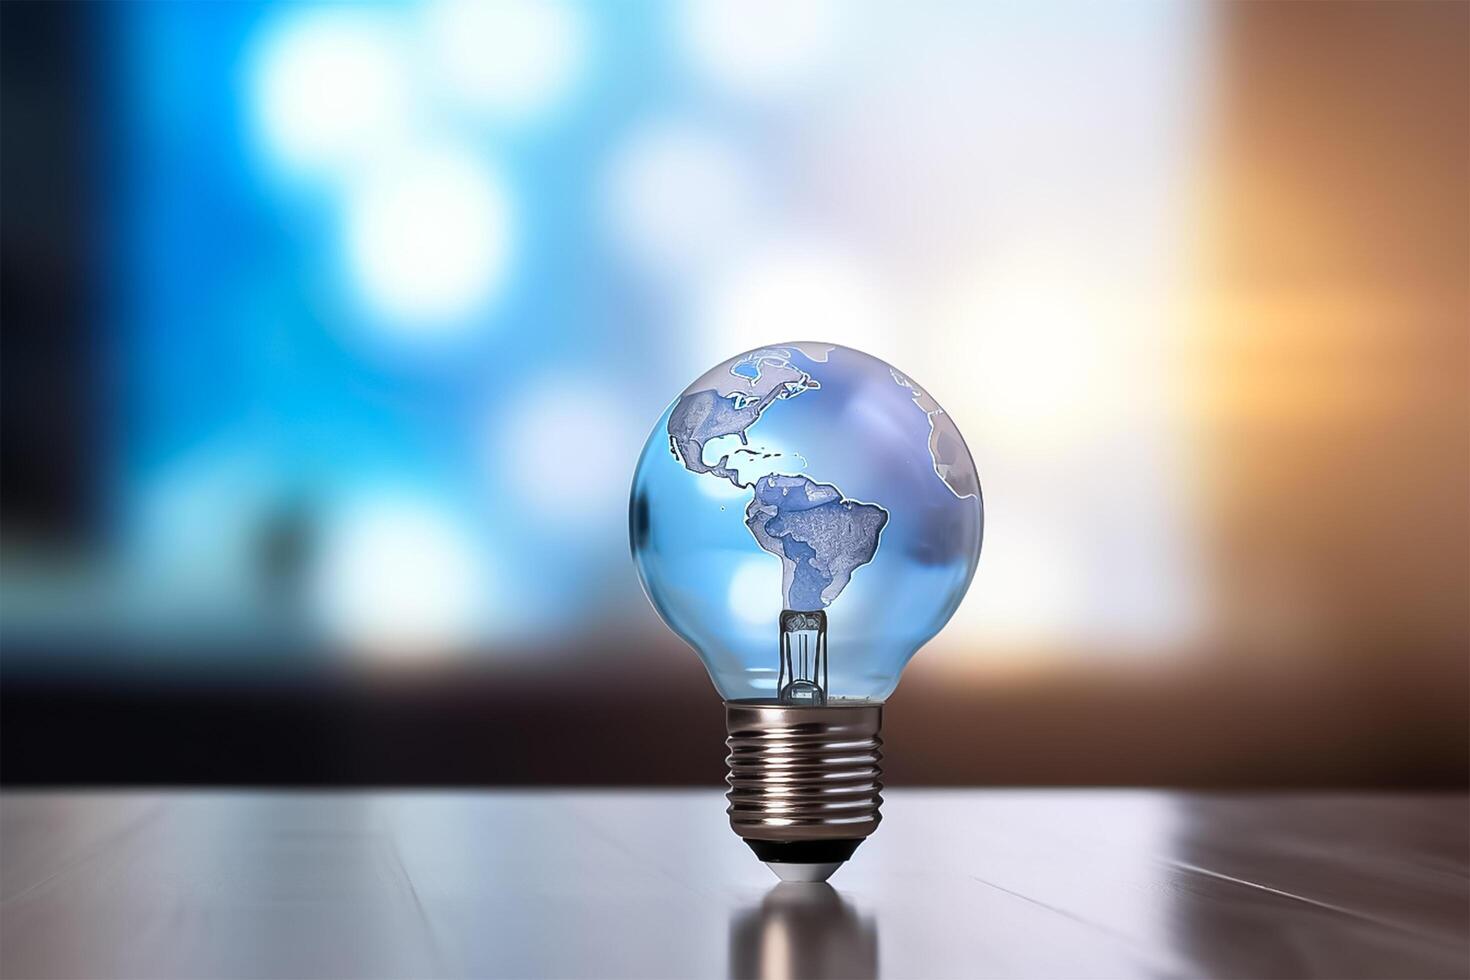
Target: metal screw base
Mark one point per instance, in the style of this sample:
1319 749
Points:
804 781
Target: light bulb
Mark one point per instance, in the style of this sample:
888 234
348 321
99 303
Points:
805 517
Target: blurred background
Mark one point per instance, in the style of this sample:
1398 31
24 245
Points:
298 301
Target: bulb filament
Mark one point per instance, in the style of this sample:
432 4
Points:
803 677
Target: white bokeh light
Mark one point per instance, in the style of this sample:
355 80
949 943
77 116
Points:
329 86
792 290
510 58
678 198
755 591
1030 587
399 576
1060 379
761 48
543 442
428 239
1031 355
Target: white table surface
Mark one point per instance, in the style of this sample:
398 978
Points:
653 884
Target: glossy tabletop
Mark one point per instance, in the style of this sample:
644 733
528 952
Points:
956 883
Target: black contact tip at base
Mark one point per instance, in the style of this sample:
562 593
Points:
803 851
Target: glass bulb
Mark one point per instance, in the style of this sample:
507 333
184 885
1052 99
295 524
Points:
805 479
806 517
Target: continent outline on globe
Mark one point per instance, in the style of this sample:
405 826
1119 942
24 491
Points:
946 445
820 536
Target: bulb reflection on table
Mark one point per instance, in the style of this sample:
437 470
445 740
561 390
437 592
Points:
802 930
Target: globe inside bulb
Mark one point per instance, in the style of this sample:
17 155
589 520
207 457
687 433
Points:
806 517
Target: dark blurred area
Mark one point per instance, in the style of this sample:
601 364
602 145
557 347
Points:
261 520
49 291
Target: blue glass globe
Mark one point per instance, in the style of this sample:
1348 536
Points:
806 517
